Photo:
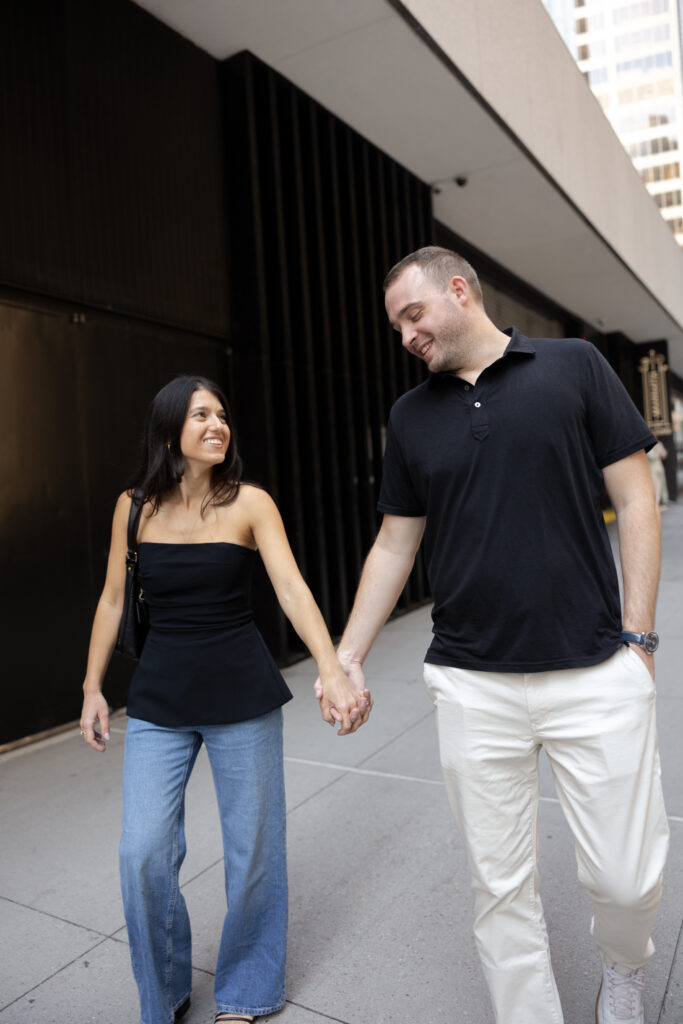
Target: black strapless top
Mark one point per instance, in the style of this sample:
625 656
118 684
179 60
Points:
204 661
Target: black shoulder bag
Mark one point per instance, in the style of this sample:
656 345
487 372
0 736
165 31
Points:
134 623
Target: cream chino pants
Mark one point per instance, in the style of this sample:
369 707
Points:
597 726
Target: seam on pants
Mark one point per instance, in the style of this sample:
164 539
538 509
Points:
541 927
176 885
538 917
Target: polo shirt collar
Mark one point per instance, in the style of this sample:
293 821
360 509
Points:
519 344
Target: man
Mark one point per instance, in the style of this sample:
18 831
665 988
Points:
499 459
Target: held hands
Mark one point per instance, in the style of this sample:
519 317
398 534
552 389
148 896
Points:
344 698
95 708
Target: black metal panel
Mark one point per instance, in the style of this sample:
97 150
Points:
121 176
110 178
72 400
317 215
111 198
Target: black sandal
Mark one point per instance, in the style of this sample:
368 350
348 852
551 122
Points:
181 1011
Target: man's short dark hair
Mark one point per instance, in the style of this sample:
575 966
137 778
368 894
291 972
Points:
440 266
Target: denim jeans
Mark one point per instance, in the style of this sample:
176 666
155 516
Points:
246 762
597 726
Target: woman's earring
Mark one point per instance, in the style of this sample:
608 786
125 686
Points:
168 445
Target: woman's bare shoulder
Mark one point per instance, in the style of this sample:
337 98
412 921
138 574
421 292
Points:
123 503
123 507
253 498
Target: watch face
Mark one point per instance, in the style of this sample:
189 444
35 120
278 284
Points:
651 642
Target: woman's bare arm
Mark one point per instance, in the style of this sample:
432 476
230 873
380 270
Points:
105 631
340 701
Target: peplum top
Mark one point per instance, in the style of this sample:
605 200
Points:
204 661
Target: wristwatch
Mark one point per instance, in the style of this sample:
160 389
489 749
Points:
648 641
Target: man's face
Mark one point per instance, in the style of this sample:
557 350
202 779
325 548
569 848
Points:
432 323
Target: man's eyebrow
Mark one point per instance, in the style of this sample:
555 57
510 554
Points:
415 302
404 310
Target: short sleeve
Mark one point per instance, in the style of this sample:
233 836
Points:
397 494
616 427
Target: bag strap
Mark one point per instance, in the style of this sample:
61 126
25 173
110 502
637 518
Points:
133 522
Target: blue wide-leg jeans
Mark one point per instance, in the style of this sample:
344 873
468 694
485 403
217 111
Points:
246 761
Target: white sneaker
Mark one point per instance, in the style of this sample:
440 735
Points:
620 999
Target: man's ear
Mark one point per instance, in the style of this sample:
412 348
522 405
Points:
458 287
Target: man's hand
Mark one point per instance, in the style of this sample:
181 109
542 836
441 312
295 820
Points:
343 698
648 659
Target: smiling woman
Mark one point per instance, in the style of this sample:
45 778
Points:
205 676
188 422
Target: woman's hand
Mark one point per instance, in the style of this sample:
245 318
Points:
105 630
95 709
344 698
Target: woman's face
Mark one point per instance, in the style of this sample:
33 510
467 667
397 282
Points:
205 435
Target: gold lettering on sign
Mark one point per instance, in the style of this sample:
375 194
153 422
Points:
653 370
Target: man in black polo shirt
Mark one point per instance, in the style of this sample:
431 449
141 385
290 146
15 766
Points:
499 460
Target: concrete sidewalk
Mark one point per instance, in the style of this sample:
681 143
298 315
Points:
380 897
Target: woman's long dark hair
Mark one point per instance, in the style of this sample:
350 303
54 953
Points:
162 463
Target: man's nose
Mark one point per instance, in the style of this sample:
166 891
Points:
408 335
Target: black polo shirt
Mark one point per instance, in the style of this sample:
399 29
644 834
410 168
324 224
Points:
508 472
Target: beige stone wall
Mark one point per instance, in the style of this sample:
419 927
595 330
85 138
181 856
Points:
509 50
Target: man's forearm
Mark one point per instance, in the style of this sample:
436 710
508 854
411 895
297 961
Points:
384 576
639 529
629 485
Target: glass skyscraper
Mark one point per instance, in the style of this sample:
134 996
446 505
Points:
630 53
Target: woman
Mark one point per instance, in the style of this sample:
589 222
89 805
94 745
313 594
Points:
205 676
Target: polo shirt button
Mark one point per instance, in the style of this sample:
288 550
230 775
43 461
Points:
467 387
477 405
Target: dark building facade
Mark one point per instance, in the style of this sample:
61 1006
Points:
163 212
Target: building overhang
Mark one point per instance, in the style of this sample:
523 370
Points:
487 94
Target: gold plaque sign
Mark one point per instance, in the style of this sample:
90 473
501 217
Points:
653 369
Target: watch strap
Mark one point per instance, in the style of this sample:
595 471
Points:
648 642
633 638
